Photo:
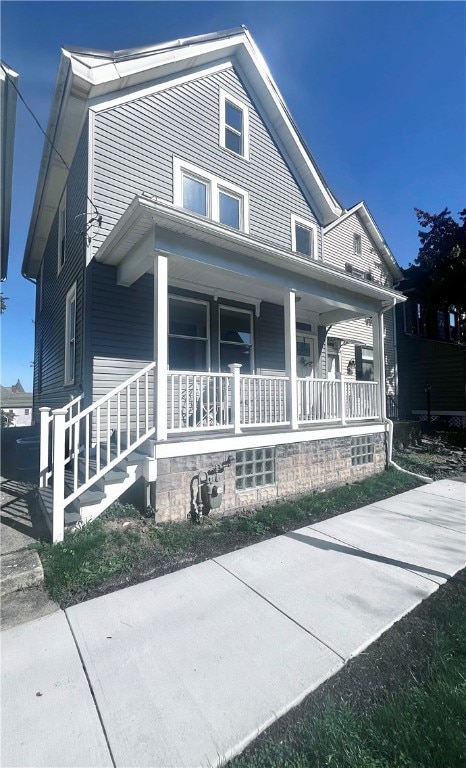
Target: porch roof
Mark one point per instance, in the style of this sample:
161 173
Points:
147 225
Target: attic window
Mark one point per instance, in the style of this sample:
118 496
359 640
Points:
303 237
234 125
357 245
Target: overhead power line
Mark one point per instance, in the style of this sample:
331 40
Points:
98 216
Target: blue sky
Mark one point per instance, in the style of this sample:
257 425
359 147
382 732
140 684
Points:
376 88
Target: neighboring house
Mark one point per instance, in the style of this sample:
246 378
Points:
193 313
16 405
431 358
7 135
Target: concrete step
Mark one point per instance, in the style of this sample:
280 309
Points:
20 570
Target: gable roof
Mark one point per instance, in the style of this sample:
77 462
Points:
368 220
86 74
7 135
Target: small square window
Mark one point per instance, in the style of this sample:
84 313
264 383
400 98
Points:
362 450
194 195
229 210
357 245
303 237
255 469
234 125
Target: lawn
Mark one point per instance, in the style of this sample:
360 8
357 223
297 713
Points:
122 547
400 704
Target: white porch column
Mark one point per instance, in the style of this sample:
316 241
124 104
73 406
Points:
160 344
379 361
58 496
236 396
290 357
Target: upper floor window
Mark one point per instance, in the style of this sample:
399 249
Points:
62 232
357 243
70 335
303 237
234 125
202 193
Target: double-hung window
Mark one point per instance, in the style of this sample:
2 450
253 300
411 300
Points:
234 125
202 193
70 335
61 232
303 237
235 338
188 334
364 363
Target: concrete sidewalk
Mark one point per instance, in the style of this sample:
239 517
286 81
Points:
186 669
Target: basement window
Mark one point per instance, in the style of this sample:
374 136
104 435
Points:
255 468
362 450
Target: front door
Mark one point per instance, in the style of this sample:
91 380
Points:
306 355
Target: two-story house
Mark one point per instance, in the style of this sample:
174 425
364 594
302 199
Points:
209 318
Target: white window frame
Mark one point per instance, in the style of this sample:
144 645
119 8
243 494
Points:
251 326
61 233
215 185
197 338
224 97
70 336
305 224
357 238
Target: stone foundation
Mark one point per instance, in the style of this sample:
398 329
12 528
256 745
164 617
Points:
299 468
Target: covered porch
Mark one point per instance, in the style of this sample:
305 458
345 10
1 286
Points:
239 327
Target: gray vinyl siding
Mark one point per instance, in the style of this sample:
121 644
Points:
134 145
121 339
339 250
50 322
361 331
122 329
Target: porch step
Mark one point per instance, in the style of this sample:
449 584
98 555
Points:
72 514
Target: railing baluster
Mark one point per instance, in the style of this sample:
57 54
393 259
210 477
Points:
86 449
128 417
118 423
146 403
108 431
75 438
97 440
138 414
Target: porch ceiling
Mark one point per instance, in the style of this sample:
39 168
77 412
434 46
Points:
210 258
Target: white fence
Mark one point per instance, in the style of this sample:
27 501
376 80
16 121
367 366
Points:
318 400
263 400
361 400
198 401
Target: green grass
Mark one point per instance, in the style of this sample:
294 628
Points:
109 553
418 726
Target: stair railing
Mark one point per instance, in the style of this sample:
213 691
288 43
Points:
46 442
98 438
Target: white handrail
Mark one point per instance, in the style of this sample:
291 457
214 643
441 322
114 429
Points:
99 421
112 393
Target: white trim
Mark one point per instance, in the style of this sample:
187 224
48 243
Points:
304 224
238 344
264 439
215 185
198 338
102 103
90 183
62 233
224 96
70 297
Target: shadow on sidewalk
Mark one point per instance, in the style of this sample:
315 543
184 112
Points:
347 550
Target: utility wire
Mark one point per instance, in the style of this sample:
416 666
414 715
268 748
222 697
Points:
10 79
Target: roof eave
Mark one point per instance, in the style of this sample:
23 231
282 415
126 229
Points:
78 82
165 213
7 133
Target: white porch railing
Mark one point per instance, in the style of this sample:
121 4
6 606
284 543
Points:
198 401
263 400
93 441
361 400
46 461
319 400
